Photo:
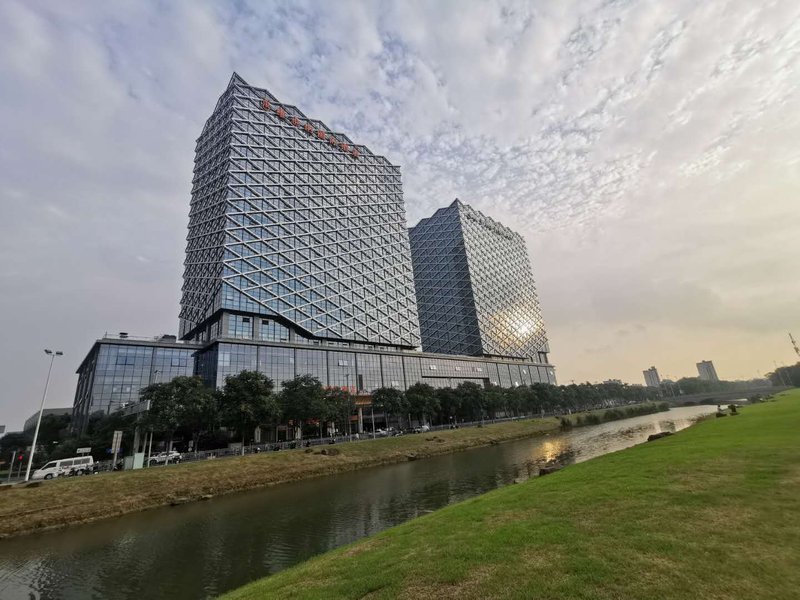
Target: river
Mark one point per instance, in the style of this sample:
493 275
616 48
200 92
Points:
201 550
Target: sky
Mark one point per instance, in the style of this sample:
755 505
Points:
647 151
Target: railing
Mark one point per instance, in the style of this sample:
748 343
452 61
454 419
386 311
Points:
154 338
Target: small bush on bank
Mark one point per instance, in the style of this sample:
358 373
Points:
592 419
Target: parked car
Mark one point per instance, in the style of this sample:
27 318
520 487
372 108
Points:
422 429
77 465
164 457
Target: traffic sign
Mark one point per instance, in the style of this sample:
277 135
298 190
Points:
83 450
116 442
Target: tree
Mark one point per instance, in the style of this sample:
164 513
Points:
163 414
544 397
53 428
247 402
14 440
390 401
786 376
339 405
301 399
184 401
494 400
422 400
200 414
473 399
449 401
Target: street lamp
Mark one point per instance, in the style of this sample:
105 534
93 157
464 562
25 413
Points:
52 356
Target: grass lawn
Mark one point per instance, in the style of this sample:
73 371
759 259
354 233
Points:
712 512
76 500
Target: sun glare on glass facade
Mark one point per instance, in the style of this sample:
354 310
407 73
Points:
475 288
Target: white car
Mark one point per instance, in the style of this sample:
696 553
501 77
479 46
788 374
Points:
79 465
165 457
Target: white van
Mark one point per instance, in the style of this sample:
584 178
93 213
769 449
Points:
79 465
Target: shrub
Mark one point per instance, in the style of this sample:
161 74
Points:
592 419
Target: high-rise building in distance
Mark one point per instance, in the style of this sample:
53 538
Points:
475 289
651 378
706 370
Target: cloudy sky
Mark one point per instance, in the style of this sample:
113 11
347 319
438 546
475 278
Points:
648 151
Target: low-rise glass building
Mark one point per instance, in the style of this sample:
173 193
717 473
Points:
117 368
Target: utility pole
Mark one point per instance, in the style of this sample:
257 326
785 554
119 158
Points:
52 356
11 468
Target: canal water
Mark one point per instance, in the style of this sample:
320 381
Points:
201 550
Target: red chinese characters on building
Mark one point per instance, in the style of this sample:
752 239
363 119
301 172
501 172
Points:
280 112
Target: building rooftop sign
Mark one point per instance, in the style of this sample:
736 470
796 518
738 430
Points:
321 134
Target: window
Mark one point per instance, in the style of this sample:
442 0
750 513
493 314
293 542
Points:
240 327
342 363
273 331
432 367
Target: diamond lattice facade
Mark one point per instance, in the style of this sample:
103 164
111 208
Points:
475 289
294 222
298 262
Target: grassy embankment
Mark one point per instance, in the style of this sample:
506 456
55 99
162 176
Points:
83 499
713 512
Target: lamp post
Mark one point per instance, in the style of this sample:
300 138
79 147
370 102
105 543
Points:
52 356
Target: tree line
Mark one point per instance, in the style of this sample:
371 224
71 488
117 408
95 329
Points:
786 376
186 409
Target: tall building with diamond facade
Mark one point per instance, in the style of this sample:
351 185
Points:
296 225
298 262
475 289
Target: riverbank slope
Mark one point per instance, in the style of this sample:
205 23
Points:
72 501
712 512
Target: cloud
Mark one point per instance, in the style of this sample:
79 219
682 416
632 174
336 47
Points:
646 150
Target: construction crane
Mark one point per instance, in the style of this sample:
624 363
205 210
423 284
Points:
796 349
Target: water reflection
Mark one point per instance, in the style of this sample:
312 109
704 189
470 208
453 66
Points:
201 550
